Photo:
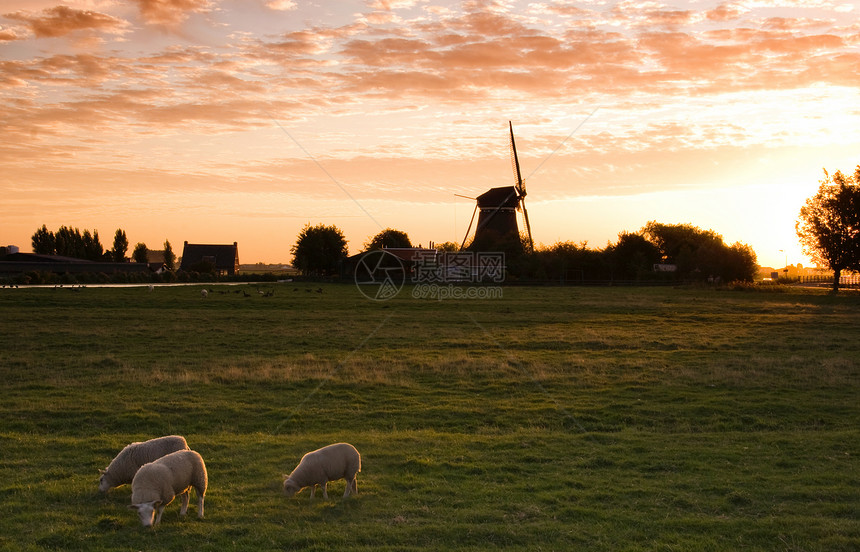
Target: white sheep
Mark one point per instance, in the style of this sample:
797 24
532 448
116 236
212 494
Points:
204 293
330 463
121 470
156 484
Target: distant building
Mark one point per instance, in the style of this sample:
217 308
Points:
155 260
225 258
12 261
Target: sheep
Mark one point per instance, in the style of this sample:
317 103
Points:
156 484
330 463
121 470
204 293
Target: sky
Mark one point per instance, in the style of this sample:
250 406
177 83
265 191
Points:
221 121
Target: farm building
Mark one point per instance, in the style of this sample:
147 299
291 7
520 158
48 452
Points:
12 261
224 258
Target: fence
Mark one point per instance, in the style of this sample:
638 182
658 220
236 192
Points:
845 280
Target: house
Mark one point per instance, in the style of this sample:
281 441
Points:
224 258
155 261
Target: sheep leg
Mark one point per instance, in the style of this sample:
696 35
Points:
159 510
200 506
184 497
313 489
350 484
325 494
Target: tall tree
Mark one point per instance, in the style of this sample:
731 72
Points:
169 256
319 249
140 253
120 246
43 241
829 224
388 238
93 250
69 242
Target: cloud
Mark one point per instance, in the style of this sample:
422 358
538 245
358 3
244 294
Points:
170 13
62 20
281 5
391 4
725 12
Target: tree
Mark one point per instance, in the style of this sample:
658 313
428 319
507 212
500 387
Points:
68 242
93 250
319 249
700 254
388 238
43 241
740 263
829 224
448 247
120 246
633 256
140 253
169 256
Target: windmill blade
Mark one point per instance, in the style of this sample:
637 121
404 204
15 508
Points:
515 162
528 226
469 229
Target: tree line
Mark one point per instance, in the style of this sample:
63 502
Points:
71 242
686 251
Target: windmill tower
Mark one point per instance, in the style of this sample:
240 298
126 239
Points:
497 209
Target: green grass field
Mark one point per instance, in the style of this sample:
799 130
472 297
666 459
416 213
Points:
548 419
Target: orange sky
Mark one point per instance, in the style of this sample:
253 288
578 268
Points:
220 121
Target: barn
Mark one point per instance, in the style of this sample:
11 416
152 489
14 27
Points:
224 258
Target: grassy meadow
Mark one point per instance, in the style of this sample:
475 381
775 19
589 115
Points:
547 419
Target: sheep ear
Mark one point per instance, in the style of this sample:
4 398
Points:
102 472
132 506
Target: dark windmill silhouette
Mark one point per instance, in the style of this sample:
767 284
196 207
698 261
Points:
497 208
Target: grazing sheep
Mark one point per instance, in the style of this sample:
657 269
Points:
204 293
156 484
121 470
330 463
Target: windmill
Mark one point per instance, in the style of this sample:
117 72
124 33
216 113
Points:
497 207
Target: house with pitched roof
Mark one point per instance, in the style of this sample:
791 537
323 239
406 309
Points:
225 258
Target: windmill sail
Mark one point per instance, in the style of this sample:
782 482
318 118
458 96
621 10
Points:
520 186
515 162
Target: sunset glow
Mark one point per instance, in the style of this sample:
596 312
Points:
214 121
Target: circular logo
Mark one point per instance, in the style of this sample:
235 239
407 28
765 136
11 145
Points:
379 275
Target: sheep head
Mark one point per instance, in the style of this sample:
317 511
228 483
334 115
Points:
104 484
146 511
291 488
